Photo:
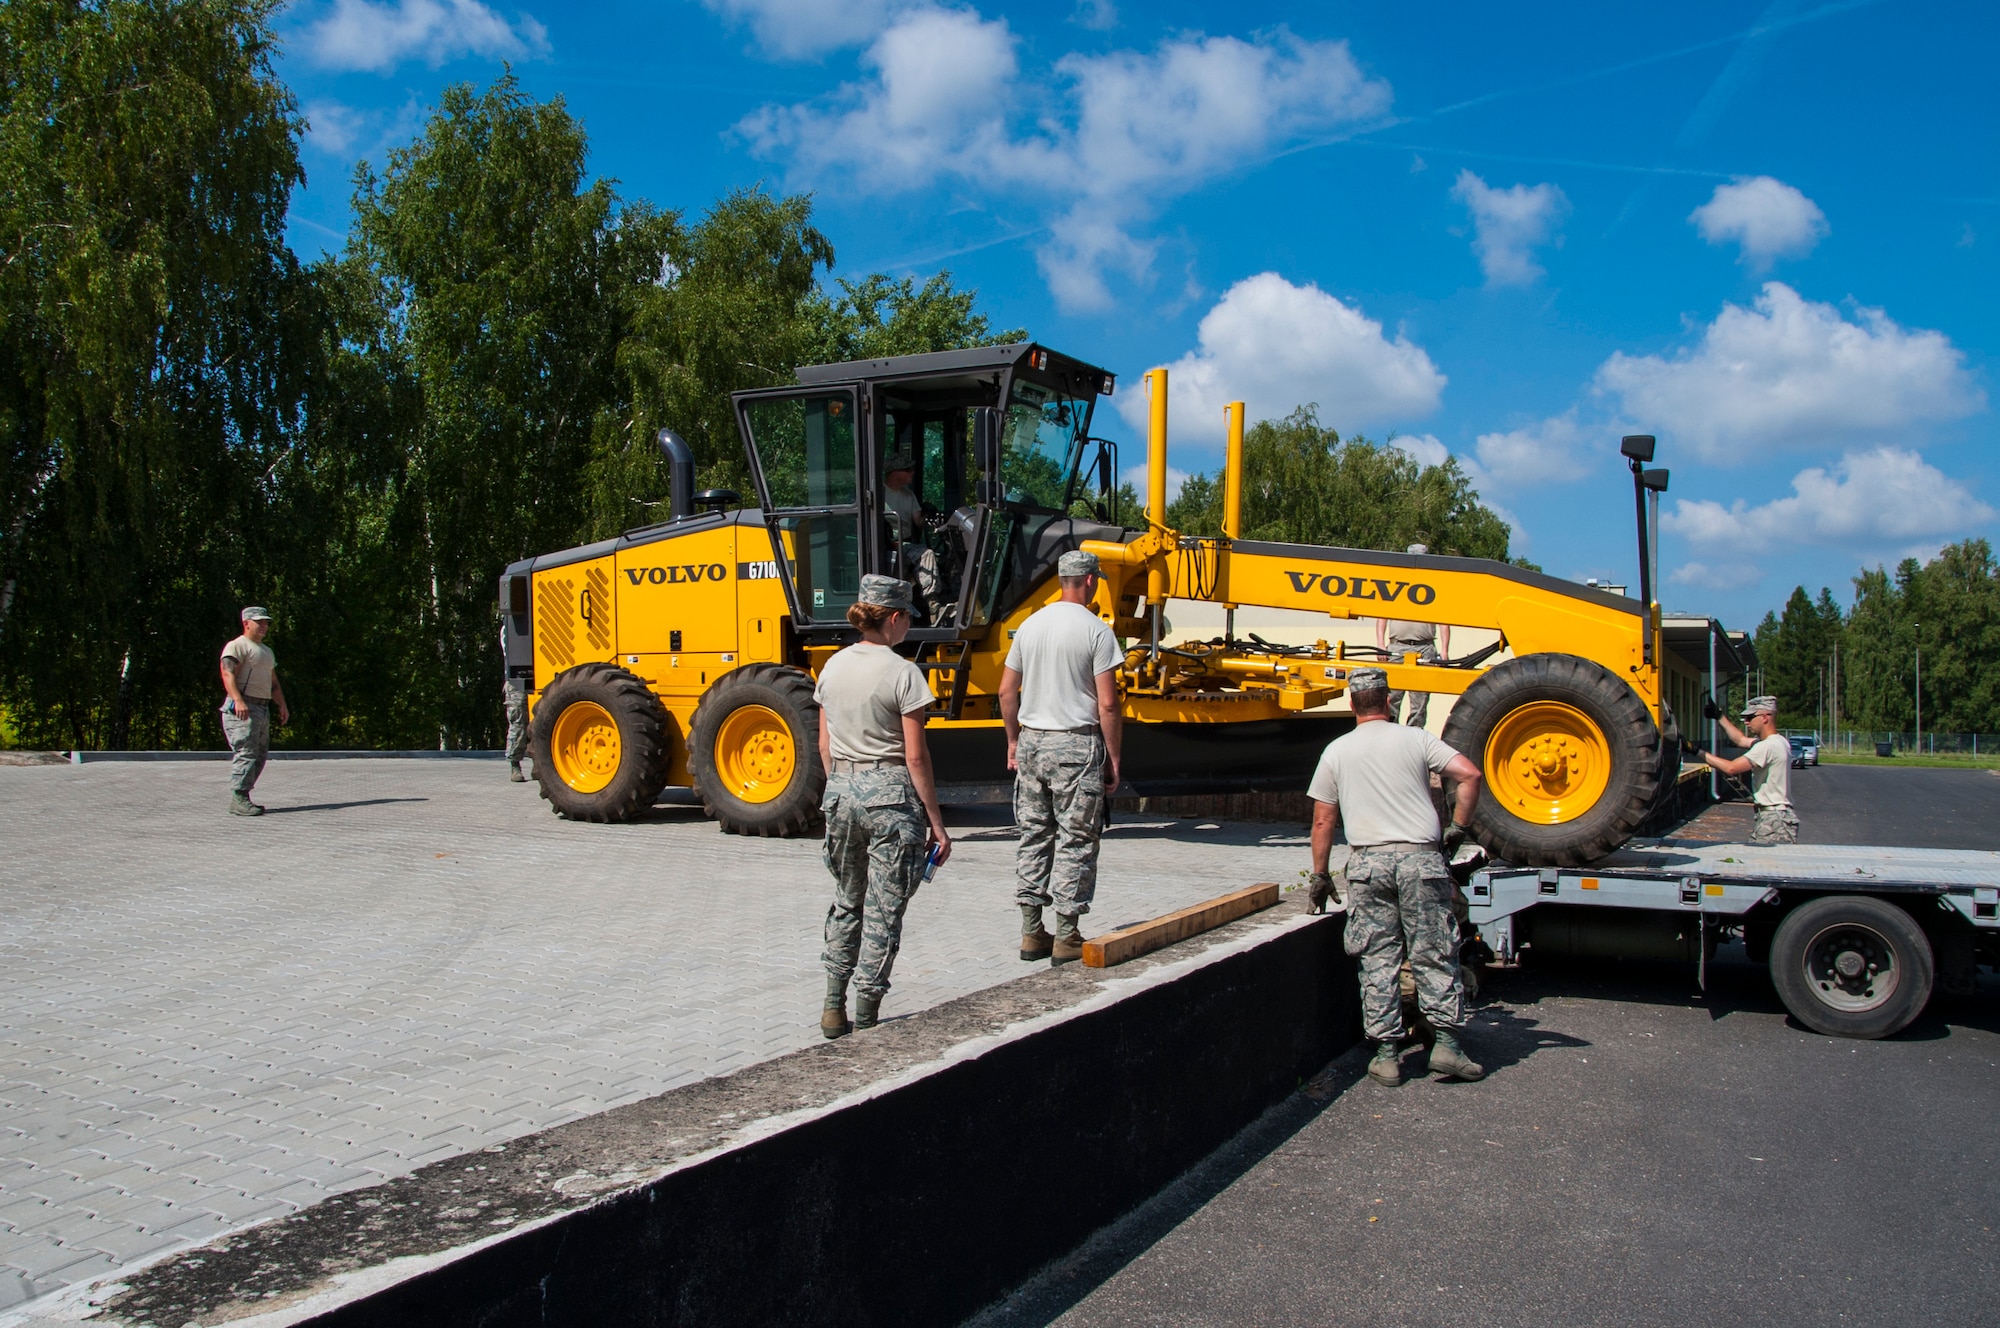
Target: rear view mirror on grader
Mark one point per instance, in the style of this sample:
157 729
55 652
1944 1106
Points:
684 653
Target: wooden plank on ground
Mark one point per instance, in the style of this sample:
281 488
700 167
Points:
1115 947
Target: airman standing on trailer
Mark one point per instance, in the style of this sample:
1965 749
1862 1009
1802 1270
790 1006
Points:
1768 762
1430 642
1398 887
1059 701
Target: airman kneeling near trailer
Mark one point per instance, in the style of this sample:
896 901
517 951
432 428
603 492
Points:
882 818
1399 890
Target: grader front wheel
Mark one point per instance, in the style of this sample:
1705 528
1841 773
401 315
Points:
1571 759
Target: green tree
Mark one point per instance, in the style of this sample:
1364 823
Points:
1795 653
1949 609
1303 484
509 285
159 336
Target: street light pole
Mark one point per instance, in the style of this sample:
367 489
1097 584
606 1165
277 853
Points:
1920 692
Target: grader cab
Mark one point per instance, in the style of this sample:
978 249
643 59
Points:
684 653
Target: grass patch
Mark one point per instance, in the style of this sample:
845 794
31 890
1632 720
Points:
1942 761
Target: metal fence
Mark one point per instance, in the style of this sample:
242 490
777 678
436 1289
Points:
1863 742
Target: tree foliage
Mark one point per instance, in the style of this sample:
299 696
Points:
1302 483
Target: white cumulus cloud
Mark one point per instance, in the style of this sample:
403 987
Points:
1737 574
1276 346
804 29
1881 497
1111 136
1794 373
361 34
1550 451
1509 225
1766 219
1424 448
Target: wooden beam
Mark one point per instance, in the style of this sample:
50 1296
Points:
1115 947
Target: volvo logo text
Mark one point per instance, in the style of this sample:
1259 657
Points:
1359 587
679 575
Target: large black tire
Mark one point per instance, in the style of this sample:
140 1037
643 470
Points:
786 801
574 779
1852 966
1630 742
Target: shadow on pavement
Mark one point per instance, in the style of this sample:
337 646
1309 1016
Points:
337 806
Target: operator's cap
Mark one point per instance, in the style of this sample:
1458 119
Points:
256 613
1760 705
1367 680
886 591
1077 563
900 461
1418 548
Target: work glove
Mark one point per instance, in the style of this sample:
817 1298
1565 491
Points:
1454 839
1320 890
1691 749
1709 710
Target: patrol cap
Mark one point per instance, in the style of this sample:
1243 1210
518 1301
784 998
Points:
1418 548
1368 680
900 461
1760 705
256 613
885 591
1077 563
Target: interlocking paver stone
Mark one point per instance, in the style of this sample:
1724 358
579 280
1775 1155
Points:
213 1020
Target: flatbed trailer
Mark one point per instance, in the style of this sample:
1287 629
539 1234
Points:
1857 937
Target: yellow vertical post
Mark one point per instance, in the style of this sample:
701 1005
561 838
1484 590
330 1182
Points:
1232 503
1156 491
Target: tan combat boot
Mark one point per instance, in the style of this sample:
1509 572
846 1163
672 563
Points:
833 1019
1386 1068
1035 939
867 1009
1449 1059
1068 947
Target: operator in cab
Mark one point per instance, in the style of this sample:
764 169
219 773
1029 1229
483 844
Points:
905 513
1398 893
1768 762
882 818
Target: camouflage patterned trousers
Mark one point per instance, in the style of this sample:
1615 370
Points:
249 743
1775 825
1399 906
1420 702
1059 806
515 690
875 840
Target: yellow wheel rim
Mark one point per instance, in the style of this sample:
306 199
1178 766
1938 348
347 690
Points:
1548 763
584 747
754 753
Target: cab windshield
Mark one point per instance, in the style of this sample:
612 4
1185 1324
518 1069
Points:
1042 444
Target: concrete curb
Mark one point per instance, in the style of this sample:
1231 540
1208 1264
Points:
957 1166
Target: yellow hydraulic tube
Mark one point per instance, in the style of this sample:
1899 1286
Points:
1156 476
1232 472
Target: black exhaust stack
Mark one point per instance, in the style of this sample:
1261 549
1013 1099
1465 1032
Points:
680 473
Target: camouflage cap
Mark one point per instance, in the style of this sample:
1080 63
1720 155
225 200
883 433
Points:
885 591
256 613
1760 705
900 461
1077 563
1368 680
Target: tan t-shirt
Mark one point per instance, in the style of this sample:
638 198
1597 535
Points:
1059 652
905 510
865 691
254 665
1380 774
1411 633
1770 771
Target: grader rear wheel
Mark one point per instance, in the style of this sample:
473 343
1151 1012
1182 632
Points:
600 744
1569 754
754 752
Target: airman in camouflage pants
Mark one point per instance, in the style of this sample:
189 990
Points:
1775 825
1059 805
1398 901
875 850
515 692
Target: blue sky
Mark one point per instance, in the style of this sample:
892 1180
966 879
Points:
1768 233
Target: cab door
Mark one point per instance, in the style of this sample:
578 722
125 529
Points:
805 461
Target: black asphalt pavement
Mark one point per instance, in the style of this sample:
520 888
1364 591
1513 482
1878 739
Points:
1640 1153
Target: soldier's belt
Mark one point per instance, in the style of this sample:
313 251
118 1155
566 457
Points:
1089 730
848 767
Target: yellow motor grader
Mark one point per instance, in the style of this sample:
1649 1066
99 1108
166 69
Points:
684 653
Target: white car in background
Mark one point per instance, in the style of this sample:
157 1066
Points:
1805 752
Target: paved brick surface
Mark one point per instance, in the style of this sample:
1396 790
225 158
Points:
213 1021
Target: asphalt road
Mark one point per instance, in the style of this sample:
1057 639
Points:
1639 1154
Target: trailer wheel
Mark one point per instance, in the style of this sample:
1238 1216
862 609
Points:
1570 755
600 744
754 752
1852 966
